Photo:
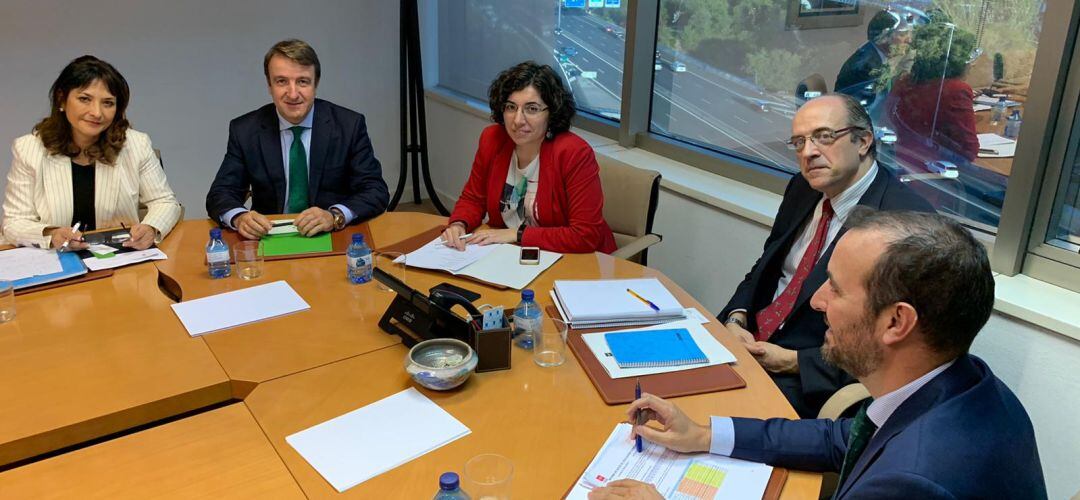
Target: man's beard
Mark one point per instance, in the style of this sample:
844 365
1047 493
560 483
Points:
853 349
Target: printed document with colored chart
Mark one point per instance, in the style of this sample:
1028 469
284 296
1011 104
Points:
677 476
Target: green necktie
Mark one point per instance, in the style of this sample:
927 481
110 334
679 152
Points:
298 185
862 429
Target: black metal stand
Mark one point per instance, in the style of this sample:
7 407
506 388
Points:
413 123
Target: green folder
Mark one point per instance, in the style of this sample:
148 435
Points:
292 244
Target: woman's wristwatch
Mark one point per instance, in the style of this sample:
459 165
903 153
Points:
520 233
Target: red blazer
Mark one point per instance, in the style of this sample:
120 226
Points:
569 201
914 109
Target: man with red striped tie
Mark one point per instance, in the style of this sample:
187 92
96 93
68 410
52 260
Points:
833 138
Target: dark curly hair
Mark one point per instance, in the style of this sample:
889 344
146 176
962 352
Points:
940 50
560 101
55 130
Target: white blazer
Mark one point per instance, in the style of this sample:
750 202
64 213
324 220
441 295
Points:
38 194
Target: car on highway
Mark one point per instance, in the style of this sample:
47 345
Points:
677 66
557 31
656 65
572 72
568 50
607 29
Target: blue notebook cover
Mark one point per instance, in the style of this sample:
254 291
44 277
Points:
71 264
653 348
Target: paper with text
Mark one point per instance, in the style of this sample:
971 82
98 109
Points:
26 262
696 476
436 255
123 259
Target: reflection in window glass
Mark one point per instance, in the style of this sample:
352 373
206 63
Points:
478 39
944 80
1064 230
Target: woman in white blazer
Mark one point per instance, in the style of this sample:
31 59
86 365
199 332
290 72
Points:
83 165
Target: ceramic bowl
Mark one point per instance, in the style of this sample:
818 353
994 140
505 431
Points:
441 364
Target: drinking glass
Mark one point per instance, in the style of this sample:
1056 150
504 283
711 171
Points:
249 259
7 301
549 347
487 477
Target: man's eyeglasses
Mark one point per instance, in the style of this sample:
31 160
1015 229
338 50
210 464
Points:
531 109
821 137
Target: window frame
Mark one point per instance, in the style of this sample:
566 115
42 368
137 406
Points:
1042 260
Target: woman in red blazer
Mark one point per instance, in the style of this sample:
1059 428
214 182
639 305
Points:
537 182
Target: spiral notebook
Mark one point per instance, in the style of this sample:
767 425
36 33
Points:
654 348
615 302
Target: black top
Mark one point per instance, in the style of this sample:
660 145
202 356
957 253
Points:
82 196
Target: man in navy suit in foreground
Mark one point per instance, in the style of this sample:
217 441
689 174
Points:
905 296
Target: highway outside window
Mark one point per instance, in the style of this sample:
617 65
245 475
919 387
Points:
944 80
583 40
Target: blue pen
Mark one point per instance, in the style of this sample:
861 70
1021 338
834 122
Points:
643 300
637 418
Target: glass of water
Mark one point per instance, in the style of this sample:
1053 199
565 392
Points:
249 259
7 301
549 347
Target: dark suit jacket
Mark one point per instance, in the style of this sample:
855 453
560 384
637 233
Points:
342 168
804 329
857 72
962 435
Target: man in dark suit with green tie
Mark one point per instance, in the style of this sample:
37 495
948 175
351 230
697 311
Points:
298 155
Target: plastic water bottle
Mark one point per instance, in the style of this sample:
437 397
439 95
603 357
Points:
217 255
1012 125
359 258
449 488
526 320
998 113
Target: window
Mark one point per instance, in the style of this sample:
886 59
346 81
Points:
584 40
1064 228
945 81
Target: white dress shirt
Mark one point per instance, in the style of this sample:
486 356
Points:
842 206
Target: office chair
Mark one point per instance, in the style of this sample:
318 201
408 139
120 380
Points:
630 198
839 404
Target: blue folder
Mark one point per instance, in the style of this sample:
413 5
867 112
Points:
71 264
654 348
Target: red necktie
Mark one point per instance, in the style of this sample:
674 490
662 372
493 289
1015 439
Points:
770 318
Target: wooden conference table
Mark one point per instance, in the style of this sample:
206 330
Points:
296 371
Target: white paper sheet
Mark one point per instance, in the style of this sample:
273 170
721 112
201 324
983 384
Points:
712 348
675 475
359 445
123 259
435 255
238 307
503 266
991 101
26 262
498 264
694 314
283 226
1002 147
